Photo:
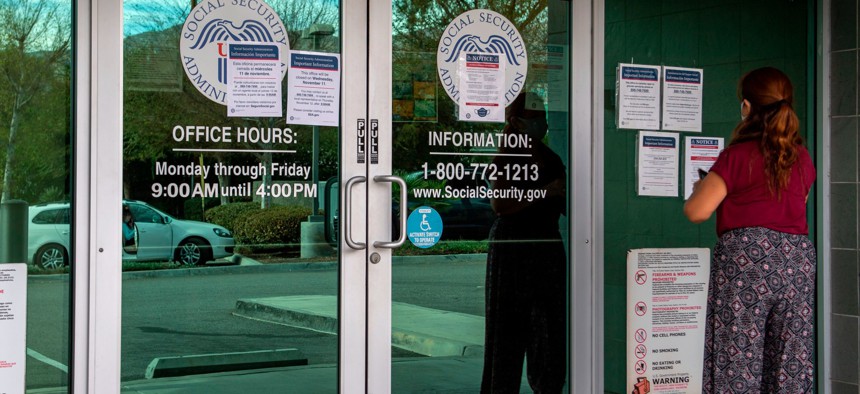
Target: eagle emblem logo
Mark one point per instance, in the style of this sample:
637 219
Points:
482 31
208 30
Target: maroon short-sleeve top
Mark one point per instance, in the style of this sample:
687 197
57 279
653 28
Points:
749 202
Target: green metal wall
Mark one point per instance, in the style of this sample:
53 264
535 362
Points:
726 39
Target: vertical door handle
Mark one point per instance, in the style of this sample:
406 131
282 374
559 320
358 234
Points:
347 216
403 209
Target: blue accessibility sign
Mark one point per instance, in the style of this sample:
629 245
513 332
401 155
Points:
424 227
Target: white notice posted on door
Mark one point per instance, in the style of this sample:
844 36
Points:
13 327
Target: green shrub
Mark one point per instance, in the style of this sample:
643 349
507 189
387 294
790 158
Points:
226 215
270 228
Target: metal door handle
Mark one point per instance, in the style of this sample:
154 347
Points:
403 209
347 216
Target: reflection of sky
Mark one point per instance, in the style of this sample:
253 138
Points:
151 15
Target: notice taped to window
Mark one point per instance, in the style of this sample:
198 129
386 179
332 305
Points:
667 291
13 327
314 89
253 80
482 78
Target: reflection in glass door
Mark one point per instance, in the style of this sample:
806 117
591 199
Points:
226 158
480 133
36 189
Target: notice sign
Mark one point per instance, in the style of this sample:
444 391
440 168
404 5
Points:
667 292
657 164
700 153
682 99
638 96
13 327
482 79
253 80
314 89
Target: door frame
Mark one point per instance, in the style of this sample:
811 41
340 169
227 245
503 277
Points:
96 276
97 279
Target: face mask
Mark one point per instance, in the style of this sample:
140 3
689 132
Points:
533 127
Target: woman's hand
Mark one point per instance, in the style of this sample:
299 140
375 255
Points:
707 195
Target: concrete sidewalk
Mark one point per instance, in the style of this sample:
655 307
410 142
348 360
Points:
412 375
426 331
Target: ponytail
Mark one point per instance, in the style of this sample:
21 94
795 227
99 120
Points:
779 142
772 122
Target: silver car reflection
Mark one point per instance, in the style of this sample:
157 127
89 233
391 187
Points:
159 237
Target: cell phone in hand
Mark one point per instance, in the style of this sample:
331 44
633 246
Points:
702 173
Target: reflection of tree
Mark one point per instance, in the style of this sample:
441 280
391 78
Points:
34 41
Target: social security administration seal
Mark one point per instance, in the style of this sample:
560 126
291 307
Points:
211 25
482 31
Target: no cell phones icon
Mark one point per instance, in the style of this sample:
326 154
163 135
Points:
640 335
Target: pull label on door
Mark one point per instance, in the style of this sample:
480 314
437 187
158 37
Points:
361 142
374 141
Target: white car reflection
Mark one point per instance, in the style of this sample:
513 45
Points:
159 237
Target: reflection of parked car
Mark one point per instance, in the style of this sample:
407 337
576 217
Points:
160 237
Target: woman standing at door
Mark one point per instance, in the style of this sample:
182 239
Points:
526 264
761 299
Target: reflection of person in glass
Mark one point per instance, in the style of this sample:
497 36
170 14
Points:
526 264
128 230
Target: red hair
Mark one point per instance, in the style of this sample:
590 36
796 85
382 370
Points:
772 122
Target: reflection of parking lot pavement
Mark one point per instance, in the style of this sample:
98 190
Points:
427 331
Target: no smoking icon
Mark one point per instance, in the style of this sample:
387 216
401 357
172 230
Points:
641 351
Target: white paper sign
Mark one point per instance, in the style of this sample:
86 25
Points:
314 89
657 164
667 294
254 80
682 99
13 327
699 153
482 80
638 97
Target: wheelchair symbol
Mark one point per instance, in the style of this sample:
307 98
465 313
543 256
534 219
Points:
425 225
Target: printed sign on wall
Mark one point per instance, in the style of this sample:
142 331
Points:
638 97
682 99
667 292
13 327
657 164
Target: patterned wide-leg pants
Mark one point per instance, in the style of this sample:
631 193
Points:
759 336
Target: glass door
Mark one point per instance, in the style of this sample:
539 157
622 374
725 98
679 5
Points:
473 109
241 143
